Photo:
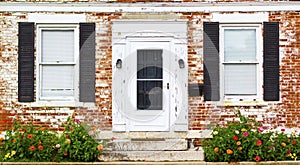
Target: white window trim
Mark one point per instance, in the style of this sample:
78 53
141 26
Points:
259 62
74 27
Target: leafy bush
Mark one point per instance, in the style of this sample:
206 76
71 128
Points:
28 143
77 142
245 141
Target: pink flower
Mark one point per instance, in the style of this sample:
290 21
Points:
91 133
260 129
259 142
288 151
246 134
257 158
77 121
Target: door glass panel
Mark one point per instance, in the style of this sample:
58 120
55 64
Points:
149 79
149 95
149 64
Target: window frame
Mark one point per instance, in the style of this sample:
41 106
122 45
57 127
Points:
75 28
258 62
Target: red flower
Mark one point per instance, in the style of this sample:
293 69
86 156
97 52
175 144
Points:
1 139
32 148
5 121
257 158
14 140
29 136
40 147
65 154
294 142
67 136
235 138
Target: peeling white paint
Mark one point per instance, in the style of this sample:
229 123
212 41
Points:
149 8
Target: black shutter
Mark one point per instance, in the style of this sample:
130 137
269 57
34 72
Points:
87 62
211 61
26 62
271 61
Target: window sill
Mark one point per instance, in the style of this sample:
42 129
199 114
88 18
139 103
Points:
242 103
61 104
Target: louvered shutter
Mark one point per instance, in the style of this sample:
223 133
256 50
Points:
87 63
271 61
26 62
211 61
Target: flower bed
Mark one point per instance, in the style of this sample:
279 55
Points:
28 143
245 141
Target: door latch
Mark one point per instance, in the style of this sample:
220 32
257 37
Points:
167 85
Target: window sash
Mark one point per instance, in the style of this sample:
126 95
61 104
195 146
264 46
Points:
57 45
240 45
57 80
240 79
235 90
58 72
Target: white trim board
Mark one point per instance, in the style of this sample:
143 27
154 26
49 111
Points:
57 18
240 17
150 7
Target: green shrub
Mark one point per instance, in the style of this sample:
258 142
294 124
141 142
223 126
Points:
244 141
77 142
29 143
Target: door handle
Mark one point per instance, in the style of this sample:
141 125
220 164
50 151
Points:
168 86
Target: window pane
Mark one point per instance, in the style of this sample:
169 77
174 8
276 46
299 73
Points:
149 64
57 81
149 95
240 79
57 46
239 45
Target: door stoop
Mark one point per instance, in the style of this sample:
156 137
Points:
150 146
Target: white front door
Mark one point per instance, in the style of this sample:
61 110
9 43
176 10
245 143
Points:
147 87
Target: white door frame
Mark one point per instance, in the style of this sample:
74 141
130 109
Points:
122 38
150 120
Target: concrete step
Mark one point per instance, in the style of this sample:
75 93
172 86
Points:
148 145
152 155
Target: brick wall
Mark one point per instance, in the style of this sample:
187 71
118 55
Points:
285 113
201 114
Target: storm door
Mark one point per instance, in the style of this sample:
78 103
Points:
148 86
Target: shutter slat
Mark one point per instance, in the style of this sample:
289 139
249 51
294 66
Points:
87 62
26 62
271 61
211 61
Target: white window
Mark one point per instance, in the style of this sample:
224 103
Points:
58 53
241 62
